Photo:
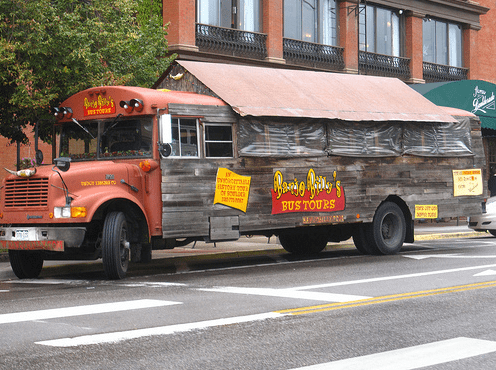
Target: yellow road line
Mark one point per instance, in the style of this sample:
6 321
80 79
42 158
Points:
388 298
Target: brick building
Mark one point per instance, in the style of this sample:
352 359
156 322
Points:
8 152
417 41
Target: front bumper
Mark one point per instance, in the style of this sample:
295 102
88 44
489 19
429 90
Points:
41 238
482 222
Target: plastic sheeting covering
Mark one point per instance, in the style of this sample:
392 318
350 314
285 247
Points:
278 138
316 137
442 139
364 139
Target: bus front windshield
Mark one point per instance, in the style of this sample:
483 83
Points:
92 140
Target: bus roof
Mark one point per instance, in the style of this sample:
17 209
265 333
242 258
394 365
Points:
104 101
259 91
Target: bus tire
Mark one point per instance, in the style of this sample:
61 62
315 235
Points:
115 246
26 264
303 242
388 229
360 239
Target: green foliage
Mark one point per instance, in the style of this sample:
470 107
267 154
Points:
51 49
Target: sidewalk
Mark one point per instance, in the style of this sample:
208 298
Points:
247 246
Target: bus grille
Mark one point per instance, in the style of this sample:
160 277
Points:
31 192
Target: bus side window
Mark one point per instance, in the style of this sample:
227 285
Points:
184 137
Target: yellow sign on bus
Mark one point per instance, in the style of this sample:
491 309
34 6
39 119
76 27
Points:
425 211
232 189
467 182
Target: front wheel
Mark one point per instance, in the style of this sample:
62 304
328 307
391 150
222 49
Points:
115 246
26 264
387 232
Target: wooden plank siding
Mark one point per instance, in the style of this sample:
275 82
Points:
188 184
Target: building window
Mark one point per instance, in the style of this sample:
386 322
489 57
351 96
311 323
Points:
442 43
380 31
238 14
311 20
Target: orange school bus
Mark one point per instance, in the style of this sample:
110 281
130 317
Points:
222 151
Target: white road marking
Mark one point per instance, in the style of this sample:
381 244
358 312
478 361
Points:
161 330
4 291
48 281
9 318
289 293
486 273
149 285
393 277
460 256
413 357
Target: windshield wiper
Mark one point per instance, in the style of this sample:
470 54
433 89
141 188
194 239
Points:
112 125
84 128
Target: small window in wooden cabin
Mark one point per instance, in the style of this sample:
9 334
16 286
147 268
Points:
185 137
218 140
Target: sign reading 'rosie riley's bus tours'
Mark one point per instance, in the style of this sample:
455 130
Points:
99 105
316 194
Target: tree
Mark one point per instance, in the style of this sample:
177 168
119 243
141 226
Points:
51 49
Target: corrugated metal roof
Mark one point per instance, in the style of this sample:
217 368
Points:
257 91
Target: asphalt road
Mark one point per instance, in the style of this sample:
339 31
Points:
431 306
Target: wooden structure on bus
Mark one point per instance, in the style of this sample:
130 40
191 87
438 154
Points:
404 178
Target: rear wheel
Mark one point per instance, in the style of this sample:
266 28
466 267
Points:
493 232
303 241
388 229
115 246
26 264
360 239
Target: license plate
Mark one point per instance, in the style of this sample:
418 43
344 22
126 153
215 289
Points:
22 235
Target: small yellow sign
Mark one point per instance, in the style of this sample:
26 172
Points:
232 189
467 182
426 211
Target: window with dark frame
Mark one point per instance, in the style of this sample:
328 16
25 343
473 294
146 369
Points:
218 140
311 20
380 31
238 14
442 42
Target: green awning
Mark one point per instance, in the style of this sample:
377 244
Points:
475 96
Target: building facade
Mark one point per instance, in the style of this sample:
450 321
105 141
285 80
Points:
418 41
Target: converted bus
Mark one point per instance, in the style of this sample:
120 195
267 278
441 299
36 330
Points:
220 151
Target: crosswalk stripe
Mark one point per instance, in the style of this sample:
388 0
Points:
413 357
82 310
161 330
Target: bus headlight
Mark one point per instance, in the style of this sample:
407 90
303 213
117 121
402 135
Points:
69 212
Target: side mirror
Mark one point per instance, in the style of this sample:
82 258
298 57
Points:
39 157
62 163
165 134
